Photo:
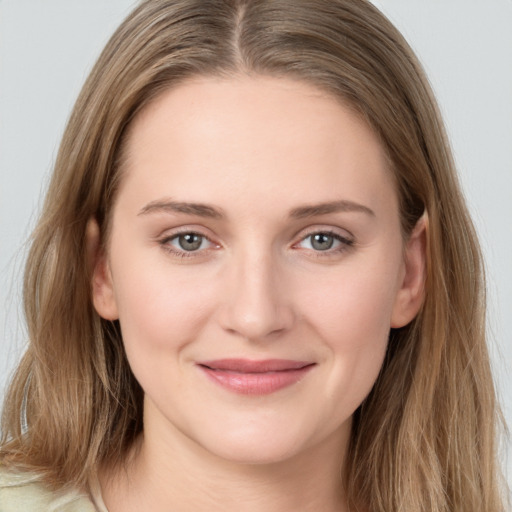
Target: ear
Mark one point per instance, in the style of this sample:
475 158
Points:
411 293
102 287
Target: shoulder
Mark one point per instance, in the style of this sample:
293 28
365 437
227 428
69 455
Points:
24 492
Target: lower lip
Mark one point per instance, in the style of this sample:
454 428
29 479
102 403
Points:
256 383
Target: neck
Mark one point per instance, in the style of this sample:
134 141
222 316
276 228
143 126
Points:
169 471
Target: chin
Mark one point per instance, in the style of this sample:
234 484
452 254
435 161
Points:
261 445
255 454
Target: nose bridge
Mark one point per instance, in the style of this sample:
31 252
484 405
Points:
256 305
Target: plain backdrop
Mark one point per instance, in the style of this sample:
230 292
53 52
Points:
47 48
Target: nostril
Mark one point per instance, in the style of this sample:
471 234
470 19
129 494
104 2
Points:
254 305
256 325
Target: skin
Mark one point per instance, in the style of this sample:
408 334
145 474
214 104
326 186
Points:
255 150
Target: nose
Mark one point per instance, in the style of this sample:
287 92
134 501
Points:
257 302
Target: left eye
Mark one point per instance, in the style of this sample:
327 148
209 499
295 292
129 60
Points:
189 242
323 241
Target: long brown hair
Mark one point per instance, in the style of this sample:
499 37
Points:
424 439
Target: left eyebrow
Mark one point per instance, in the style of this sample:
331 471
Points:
169 206
332 207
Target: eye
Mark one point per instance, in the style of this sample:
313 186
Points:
187 242
325 241
321 241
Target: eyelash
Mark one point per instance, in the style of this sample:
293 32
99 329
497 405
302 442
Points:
165 244
345 244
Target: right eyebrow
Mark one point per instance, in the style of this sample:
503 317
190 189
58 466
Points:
169 206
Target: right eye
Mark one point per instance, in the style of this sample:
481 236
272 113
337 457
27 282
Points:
189 242
186 243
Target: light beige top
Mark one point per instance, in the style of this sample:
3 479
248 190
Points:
23 492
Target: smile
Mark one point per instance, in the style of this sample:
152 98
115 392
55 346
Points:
249 377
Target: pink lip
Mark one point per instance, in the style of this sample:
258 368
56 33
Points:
249 377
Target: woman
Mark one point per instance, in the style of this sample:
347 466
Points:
249 285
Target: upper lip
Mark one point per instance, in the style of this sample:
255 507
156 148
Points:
255 366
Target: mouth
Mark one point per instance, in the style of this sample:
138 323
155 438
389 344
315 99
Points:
250 377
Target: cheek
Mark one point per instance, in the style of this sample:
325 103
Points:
160 310
353 308
351 314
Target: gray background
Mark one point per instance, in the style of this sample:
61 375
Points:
47 48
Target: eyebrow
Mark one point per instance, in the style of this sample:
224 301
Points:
169 206
208 211
331 207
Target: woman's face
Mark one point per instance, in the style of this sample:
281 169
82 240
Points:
256 266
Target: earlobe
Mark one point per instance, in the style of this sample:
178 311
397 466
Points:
102 288
411 293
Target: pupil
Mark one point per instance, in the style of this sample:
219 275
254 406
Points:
190 241
322 242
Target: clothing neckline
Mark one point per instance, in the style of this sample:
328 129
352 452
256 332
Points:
95 494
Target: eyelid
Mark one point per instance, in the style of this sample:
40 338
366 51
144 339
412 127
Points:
344 237
170 235
346 241
326 229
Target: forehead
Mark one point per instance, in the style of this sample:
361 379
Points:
256 138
